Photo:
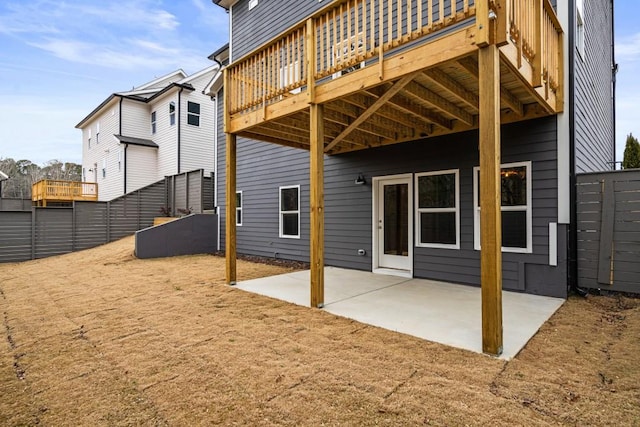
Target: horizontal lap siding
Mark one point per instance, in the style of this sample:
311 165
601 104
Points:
594 124
15 236
262 168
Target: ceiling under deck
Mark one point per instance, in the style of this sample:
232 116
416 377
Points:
435 101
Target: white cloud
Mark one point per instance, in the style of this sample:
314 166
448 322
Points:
628 48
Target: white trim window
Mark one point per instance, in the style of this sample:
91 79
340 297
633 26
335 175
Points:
153 122
517 228
104 168
438 209
239 208
289 204
119 160
89 138
98 133
172 113
193 113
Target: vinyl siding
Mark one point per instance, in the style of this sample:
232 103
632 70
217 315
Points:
106 149
197 142
262 168
594 127
136 120
141 167
166 136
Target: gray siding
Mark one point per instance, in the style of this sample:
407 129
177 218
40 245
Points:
262 168
594 127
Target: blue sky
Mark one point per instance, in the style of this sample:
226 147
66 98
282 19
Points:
60 59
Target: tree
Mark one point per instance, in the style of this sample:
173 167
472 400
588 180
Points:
23 173
631 159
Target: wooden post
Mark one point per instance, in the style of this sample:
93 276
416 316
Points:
538 46
490 200
483 33
230 242
310 59
316 156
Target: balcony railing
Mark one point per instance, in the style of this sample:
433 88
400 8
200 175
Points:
49 190
350 33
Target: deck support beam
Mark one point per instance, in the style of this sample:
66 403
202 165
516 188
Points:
316 172
490 200
230 242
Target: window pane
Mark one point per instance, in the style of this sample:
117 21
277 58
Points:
172 107
437 191
514 229
289 199
514 186
238 216
238 200
194 108
396 219
193 120
290 224
153 116
438 227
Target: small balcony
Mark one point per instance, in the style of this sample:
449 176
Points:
390 71
48 192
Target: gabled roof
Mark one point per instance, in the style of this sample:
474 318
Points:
178 74
224 3
136 141
152 90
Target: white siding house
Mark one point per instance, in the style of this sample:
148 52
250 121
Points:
158 129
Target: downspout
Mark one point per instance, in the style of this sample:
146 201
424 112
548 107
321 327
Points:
179 123
125 146
614 72
572 256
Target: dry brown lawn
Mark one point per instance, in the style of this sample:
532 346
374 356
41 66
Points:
101 338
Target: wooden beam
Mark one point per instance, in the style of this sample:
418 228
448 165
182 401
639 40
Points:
507 97
230 242
426 96
316 156
449 84
490 190
273 140
397 87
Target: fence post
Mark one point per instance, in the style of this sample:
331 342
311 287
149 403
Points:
33 232
108 222
73 226
186 191
139 209
201 191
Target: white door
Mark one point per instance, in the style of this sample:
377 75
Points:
393 236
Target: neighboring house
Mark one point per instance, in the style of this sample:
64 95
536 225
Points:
161 128
402 131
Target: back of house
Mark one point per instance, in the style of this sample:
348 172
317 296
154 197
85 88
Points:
401 88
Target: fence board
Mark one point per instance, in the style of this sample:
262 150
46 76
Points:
42 232
615 217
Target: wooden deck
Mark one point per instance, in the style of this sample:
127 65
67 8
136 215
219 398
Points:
48 191
366 73
379 86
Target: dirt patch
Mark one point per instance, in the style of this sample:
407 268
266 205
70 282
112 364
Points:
101 338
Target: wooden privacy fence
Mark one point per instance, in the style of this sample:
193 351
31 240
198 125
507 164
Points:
608 211
42 232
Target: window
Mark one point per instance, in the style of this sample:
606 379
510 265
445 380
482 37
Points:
153 122
290 212
84 175
89 137
580 28
238 207
252 4
193 113
104 168
172 113
119 160
98 133
515 207
438 209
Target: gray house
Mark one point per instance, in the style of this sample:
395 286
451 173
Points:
366 134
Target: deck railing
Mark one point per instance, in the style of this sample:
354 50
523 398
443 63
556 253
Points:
338 38
345 34
58 190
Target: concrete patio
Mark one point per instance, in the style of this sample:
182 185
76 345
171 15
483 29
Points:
436 311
